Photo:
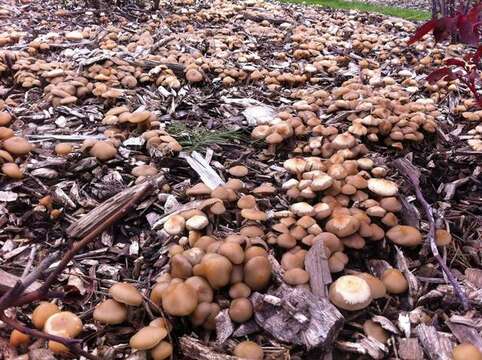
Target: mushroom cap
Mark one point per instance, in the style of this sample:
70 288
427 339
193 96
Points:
12 170
246 202
394 281
233 251
238 171
42 312
144 170
249 350
240 310
350 293
391 203
63 321
382 187
254 251
57 347
239 290
5 118
18 338
466 351
442 237
63 148
147 337
374 330
343 225
103 150
331 241
126 293
405 235
194 76
216 269
110 312
161 351
254 214
257 273
337 261
202 288
198 189
377 287
17 145
296 276
197 222
175 224
179 299
180 267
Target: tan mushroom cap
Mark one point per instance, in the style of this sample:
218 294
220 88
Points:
198 189
12 170
194 76
42 312
239 290
5 118
337 261
253 214
240 310
246 202
233 251
18 338
377 287
179 299
350 293
202 288
374 330
63 321
17 145
103 150
296 276
405 235
216 269
144 170
161 351
57 347
257 273
382 187
343 225
394 281
442 237
466 351
238 171
249 350
110 312
147 338
63 149
175 224
126 293
197 222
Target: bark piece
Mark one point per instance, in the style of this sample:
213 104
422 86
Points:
224 327
437 345
8 280
194 349
297 316
410 349
465 334
316 264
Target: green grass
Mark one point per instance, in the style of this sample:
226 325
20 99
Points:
197 138
408 14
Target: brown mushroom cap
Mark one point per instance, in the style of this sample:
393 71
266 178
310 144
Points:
394 281
201 286
246 202
377 287
147 337
374 330
296 276
254 214
144 170
216 269
197 222
240 310
63 149
238 171
257 273
249 350
239 290
254 251
126 293
180 267
466 351
63 321
17 145
442 237
42 312
174 224
57 347
233 251
103 150
12 170
391 204
350 293
179 299
161 351
337 261
18 338
110 312
342 225
382 187
405 235
5 118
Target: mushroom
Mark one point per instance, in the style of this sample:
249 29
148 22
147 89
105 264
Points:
63 322
296 276
216 269
382 187
246 202
197 222
238 171
240 310
374 330
337 261
5 118
202 288
350 293
405 235
466 351
161 351
180 267
12 170
442 237
110 312
103 150
254 214
394 281
248 350
17 145
179 299
174 224
144 170
257 272
205 315
18 338
377 287
42 312
342 225
147 338
239 290
233 251
126 293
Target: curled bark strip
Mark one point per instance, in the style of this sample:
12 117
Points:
407 169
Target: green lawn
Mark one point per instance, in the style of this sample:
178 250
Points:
409 14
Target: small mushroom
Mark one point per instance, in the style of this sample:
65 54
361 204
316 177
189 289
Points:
144 170
175 224
126 293
382 187
5 118
110 312
405 235
337 261
350 293
161 351
239 290
17 146
18 338
394 281
12 170
238 171
249 350
42 312
296 276
103 150
442 237
466 351
197 222
147 338
202 288
257 272
343 225
377 287
63 321
374 330
179 299
63 149
240 310
233 251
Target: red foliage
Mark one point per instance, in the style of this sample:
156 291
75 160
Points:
463 27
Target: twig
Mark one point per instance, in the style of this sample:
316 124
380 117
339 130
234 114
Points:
31 258
407 169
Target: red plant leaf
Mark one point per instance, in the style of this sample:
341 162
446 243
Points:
445 27
422 31
473 14
455 62
474 57
467 30
438 74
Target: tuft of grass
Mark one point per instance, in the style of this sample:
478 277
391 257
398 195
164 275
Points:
408 14
199 137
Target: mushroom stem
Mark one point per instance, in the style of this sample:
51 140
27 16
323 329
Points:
413 175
